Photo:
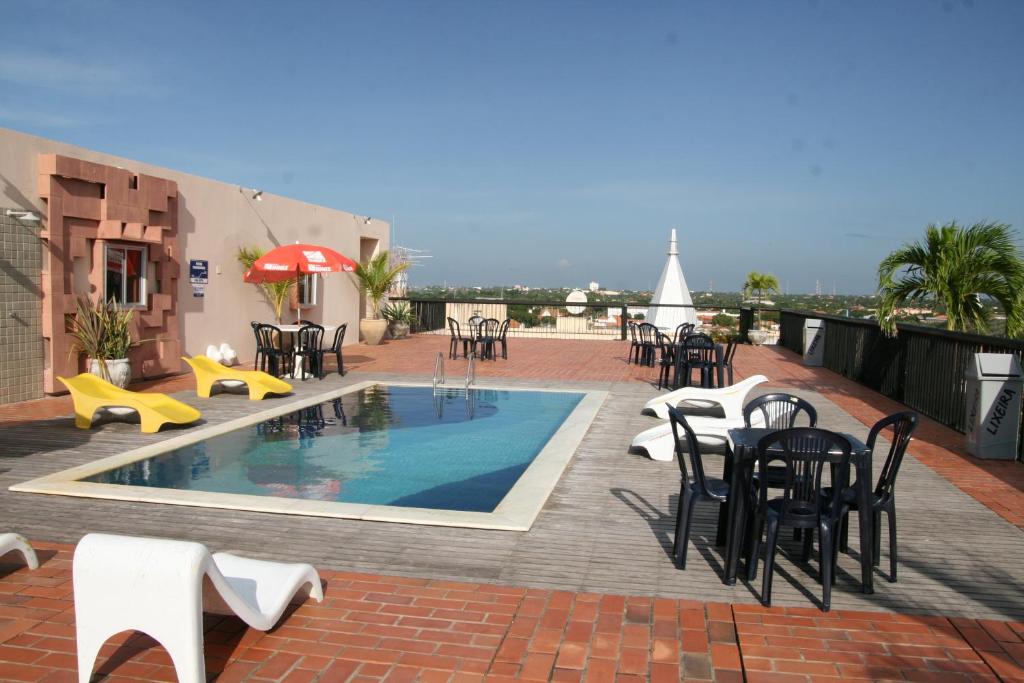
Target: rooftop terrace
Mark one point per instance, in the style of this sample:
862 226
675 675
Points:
590 591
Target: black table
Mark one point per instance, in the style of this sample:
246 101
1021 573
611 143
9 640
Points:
739 466
678 354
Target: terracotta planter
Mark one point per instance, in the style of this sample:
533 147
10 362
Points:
373 330
119 371
398 330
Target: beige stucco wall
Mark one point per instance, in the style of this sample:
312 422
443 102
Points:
214 219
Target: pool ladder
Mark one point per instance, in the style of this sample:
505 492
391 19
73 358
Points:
439 378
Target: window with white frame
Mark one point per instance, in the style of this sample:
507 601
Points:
125 277
307 290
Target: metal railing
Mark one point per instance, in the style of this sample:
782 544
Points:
540 319
922 367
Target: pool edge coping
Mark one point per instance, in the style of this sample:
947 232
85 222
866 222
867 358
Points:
516 512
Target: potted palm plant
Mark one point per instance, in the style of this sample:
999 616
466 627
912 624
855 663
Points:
399 316
376 276
101 332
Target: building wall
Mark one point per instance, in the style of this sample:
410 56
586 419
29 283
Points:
21 354
213 219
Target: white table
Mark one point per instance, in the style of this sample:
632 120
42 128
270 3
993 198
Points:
297 372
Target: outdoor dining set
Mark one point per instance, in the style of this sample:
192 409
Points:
480 338
298 350
780 471
681 355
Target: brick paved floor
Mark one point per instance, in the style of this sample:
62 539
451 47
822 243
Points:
373 628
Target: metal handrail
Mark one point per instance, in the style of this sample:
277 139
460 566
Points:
471 370
439 369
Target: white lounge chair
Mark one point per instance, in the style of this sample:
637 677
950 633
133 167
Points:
730 399
11 542
161 588
660 443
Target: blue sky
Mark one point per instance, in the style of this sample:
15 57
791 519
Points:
553 142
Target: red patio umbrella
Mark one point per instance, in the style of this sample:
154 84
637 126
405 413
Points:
293 260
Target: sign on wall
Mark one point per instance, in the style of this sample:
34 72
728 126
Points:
198 276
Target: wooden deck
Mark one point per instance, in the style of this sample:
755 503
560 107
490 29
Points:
606 528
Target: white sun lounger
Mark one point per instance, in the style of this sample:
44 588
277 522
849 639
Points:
161 588
731 399
11 542
660 444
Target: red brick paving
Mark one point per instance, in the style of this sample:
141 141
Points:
373 628
381 628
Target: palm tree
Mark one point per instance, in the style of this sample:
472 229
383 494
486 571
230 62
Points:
955 267
275 292
759 285
376 276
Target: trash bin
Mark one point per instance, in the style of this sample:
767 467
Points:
994 383
814 342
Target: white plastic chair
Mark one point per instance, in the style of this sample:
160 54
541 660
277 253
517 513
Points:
11 542
161 588
730 399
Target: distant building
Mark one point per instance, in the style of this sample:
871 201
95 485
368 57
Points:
594 287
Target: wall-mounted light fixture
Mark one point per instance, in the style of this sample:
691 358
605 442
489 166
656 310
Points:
255 194
27 216
367 220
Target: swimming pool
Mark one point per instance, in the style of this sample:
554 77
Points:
486 457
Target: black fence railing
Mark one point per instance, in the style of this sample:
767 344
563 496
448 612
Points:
922 367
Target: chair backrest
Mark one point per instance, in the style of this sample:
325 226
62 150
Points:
311 337
269 338
503 330
683 330
903 425
665 344
699 347
805 453
453 327
679 423
730 351
778 411
339 337
632 331
489 327
648 334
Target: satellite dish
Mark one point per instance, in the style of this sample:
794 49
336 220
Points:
576 296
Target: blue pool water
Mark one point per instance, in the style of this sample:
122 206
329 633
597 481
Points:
384 445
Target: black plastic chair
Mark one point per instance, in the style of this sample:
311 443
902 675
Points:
883 499
336 347
698 353
276 359
667 361
502 337
777 411
702 488
457 338
260 360
311 348
487 333
648 342
805 453
634 343
730 351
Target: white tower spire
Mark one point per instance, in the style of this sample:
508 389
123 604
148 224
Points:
671 289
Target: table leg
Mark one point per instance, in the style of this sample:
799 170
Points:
737 510
864 504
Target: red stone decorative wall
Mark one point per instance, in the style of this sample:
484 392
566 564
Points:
88 206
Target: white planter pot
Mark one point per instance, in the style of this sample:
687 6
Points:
757 337
398 330
119 371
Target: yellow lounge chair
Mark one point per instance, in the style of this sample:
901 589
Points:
208 371
90 393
